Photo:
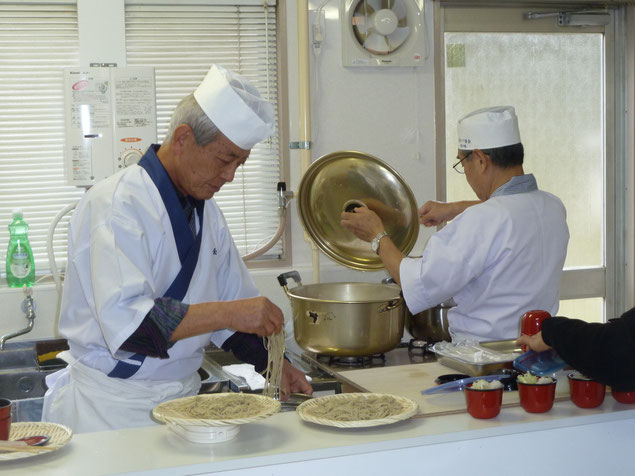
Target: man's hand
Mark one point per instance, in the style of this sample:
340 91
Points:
365 224
388 215
434 213
293 381
535 342
257 316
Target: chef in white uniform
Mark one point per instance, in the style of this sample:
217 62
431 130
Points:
153 274
500 256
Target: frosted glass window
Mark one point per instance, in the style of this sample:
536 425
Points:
555 82
590 310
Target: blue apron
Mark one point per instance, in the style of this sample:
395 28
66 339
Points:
188 247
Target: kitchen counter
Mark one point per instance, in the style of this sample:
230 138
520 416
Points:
564 440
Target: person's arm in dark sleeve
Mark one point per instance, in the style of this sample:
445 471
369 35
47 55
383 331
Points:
249 348
152 337
604 352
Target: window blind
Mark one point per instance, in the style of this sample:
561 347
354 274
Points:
36 42
181 42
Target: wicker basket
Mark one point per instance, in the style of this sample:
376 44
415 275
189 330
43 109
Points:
263 406
401 409
59 435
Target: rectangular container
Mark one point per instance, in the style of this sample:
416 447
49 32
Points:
478 369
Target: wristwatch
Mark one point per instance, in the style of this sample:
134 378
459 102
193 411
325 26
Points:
374 245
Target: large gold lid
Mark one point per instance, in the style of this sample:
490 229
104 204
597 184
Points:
341 179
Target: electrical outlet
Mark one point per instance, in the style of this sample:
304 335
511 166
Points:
317 30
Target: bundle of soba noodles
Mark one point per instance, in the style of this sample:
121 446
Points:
275 345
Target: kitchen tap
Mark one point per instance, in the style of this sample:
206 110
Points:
284 197
28 307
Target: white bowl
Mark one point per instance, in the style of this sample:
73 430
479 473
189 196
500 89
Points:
205 434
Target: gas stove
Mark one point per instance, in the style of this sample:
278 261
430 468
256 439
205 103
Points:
323 370
404 354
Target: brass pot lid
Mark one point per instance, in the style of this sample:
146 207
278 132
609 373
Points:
338 180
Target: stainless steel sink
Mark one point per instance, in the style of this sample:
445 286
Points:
18 359
19 384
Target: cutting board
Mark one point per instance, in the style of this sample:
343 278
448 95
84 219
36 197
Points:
409 380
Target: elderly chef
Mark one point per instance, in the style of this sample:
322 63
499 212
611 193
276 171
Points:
153 274
499 257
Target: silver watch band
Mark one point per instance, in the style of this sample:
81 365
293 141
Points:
375 243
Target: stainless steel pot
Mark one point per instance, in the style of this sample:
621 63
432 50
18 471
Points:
430 325
345 319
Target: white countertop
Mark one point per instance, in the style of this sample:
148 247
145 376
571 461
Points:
284 444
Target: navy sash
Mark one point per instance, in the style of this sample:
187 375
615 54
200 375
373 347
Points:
188 247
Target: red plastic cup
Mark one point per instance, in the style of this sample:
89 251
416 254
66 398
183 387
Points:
483 403
537 397
5 418
531 323
586 393
623 397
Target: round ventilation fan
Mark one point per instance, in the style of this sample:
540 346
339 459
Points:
382 32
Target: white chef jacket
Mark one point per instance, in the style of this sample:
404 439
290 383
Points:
123 255
498 260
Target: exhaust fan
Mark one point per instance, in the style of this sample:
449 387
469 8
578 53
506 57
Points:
382 32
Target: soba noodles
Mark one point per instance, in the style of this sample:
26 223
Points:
275 345
226 407
355 408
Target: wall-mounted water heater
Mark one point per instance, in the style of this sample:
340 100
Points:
110 119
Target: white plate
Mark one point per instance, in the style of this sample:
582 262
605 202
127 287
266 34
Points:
60 436
205 434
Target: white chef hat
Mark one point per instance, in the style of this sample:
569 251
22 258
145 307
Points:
489 128
235 106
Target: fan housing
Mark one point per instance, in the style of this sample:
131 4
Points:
382 32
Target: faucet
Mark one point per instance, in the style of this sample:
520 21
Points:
28 307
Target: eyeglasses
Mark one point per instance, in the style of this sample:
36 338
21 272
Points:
461 159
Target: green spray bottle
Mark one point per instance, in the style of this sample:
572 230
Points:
20 265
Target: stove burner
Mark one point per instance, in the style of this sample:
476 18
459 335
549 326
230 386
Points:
417 345
377 360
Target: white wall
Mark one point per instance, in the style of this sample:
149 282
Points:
373 110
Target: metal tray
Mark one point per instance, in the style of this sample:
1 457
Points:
480 369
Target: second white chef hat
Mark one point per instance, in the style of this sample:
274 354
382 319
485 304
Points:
489 128
235 106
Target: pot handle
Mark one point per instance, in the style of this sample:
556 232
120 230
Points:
282 278
391 305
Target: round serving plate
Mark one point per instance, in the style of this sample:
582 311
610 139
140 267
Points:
370 409
192 411
59 435
200 418
337 180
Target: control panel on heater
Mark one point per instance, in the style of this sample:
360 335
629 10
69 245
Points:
110 118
